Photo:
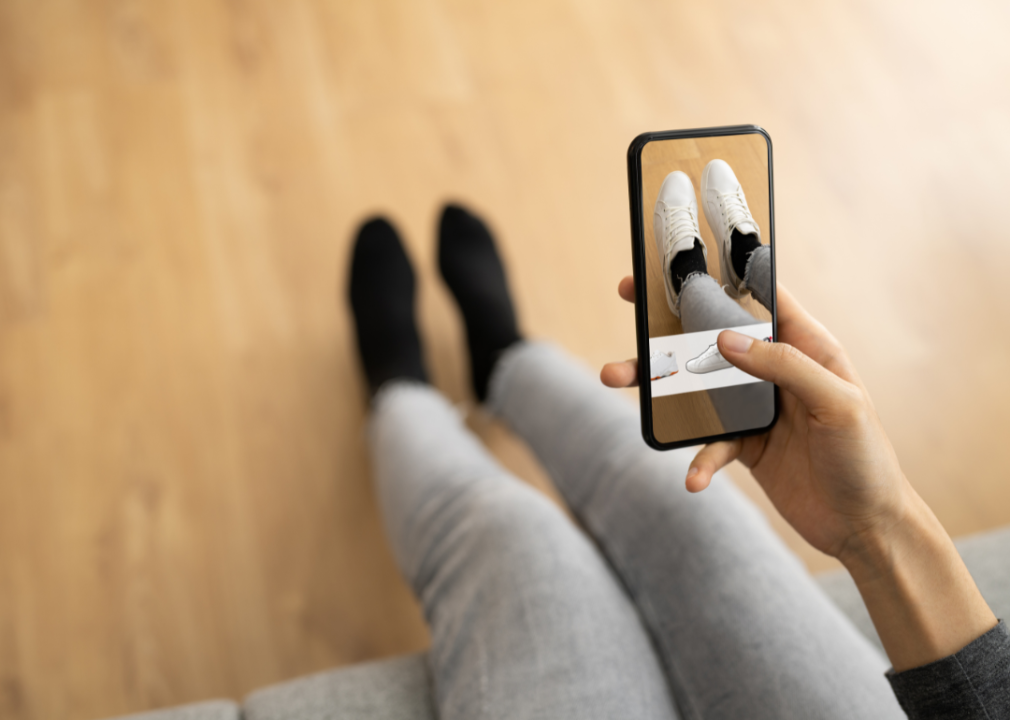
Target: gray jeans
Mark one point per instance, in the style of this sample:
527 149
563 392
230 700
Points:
662 605
704 305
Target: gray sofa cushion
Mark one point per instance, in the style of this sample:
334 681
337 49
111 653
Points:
209 710
396 689
987 556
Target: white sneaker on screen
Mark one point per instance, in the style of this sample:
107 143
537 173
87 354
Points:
662 364
726 210
709 361
675 224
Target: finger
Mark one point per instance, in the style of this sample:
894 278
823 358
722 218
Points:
710 459
620 374
626 288
798 328
821 391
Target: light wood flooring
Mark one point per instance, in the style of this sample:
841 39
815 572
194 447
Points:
185 498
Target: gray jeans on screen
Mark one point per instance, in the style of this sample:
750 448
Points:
704 305
666 604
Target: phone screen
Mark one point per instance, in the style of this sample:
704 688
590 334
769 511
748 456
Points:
706 252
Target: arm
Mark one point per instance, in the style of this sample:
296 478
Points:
840 485
920 596
830 470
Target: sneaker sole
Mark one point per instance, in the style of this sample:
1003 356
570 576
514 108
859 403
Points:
697 371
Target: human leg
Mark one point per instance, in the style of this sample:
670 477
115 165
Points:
742 629
758 275
682 253
469 265
692 294
705 306
527 620
745 263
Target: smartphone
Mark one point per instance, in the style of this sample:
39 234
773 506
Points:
703 249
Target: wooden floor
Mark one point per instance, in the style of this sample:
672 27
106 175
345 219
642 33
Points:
185 499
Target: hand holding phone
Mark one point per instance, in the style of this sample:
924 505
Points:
822 456
703 250
828 439
831 472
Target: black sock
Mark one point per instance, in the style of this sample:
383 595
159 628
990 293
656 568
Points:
686 262
742 247
473 271
382 299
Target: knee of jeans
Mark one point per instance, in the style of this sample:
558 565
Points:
519 520
509 542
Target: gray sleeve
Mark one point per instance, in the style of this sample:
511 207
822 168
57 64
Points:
972 683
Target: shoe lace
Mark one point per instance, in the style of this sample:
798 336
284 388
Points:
680 223
734 208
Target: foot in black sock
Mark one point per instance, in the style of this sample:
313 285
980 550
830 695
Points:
382 299
740 249
473 271
685 263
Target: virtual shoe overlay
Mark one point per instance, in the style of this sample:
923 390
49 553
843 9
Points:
662 364
709 361
679 245
675 226
730 219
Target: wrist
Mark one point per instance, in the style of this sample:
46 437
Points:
880 548
920 596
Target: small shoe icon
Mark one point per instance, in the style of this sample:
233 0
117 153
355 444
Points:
709 361
662 364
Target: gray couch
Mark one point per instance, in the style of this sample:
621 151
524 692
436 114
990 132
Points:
400 689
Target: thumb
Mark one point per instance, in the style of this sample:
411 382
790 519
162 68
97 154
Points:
820 390
709 460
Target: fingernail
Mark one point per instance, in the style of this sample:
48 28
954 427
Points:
692 472
736 342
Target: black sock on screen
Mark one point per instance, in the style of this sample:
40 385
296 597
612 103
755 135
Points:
474 273
686 262
740 250
382 301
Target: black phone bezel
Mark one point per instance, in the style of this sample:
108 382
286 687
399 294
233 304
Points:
638 263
